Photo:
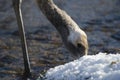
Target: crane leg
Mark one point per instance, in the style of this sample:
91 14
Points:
18 13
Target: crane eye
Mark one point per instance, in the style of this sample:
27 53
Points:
79 45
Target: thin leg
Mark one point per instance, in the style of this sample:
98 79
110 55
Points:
17 9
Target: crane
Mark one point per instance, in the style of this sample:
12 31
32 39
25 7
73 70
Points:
73 37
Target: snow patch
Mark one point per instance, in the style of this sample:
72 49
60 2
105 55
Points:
91 67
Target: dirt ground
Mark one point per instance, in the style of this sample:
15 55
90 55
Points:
100 19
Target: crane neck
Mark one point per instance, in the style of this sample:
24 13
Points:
59 18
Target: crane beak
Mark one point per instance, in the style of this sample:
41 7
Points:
79 50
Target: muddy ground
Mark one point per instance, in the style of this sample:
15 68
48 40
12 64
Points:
100 19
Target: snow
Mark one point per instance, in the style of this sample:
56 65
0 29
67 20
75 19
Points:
101 66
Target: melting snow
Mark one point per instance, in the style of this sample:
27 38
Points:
90 67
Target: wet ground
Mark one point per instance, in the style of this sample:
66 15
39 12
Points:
99 19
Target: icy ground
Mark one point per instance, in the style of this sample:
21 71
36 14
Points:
101 66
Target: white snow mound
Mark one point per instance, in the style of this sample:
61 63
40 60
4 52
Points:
90 67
